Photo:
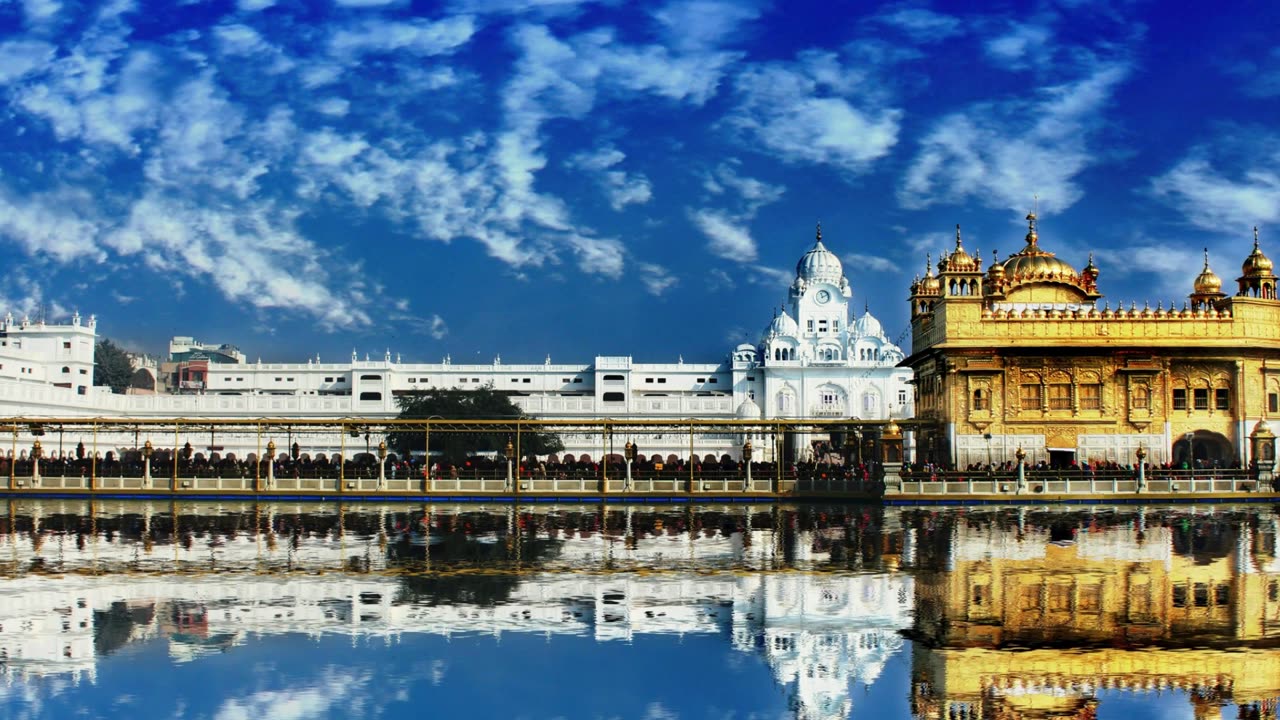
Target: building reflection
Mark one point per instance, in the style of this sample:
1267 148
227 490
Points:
1024 615
1007 613
205 579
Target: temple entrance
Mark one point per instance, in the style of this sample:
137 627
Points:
1061 458
1203 449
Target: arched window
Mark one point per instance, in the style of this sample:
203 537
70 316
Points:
66 370
368 396
980 400
870 404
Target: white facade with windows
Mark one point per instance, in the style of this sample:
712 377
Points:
811 362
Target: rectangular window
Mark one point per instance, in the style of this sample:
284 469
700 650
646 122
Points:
328 379
66 345
712 381
1179 596
413 380
1201 594
1179 398
1091 397
1273 402
1201 398
1060 396
822 326
1221 595
1222 399
648 380
809 326
661 380
1030 395
526 380
702 380
980 594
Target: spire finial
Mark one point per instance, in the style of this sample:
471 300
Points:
1032 235
866 307
957 236
1255 237
1206 258
928 264
819 233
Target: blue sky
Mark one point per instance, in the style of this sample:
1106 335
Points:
567 177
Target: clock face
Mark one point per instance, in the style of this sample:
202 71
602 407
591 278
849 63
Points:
823 296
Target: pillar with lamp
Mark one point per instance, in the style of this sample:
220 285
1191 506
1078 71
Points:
747 452
1141 454
382 464
628 452
271 465
1021 455
147 451
37 451
510 450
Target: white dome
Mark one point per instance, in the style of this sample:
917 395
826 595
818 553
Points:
820 265
868 326
782 325
748 410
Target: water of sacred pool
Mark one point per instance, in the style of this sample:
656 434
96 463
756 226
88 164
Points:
288 610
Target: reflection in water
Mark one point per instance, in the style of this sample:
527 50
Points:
998 613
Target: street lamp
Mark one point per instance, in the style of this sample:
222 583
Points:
1141 454
510 450
382 464
1021 455
271 464
36 452
147 451
629 452
747 451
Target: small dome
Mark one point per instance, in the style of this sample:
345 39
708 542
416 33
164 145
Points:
748 410
782 324
1256 263
959 260
996 270
745 347
929 284
868 326
1208 282
820 264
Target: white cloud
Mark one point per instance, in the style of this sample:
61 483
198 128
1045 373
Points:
656 279
921 24
874 263
1001 153
1022 45
699 25
19 57
419 37
621 188
364 3
1259 79
38 12
1219 188
815 111
254 5
729 238
333 691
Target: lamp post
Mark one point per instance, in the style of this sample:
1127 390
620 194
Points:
1021 455
271 464
147 451
382 464
629 452
510 450
1141 454
747 451
36 452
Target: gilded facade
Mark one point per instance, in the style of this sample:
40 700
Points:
1026 353
1016 622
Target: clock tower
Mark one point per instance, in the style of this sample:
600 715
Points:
820 303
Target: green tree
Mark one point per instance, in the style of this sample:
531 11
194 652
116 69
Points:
111 366
482 404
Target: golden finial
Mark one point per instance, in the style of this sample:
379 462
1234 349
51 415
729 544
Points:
1032 236
928 264
1206 258
1255 237
957 236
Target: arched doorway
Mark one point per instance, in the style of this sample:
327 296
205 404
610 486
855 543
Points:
1203 448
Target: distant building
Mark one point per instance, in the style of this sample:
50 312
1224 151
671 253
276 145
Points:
812 361
1021 355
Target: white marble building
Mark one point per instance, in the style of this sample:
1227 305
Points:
814 360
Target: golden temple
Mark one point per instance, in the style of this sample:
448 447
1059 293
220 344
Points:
1021 355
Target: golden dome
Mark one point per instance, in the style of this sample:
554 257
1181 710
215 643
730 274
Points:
961 261
930 284
1256 263
1033 263
1208 282
996 270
